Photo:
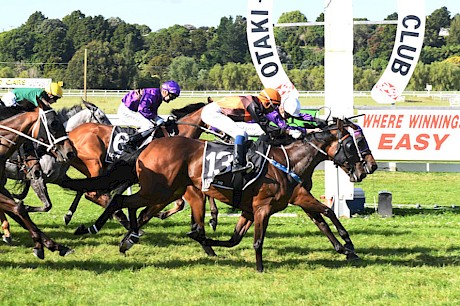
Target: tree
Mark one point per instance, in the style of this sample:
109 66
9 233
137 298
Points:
103 67
290 39
184 70
440 18
454 31
229 44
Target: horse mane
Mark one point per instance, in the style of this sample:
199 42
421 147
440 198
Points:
7 112
67 112
190 108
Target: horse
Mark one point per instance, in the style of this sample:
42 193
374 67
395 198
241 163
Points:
39 169
168 168
42 126
367 160
91 141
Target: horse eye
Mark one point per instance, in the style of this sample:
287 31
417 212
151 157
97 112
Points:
350 146
54 124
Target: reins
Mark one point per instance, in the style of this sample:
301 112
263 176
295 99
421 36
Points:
51 139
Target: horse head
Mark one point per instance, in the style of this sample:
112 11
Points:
52 131
97 115
368 161
343 151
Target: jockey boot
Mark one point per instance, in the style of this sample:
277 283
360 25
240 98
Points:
239 158
136 140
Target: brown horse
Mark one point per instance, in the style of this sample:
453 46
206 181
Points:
91 141
40 125
170 167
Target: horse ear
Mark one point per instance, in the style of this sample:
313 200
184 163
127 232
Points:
340 124
89 105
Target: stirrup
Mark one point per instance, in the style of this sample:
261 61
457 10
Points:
247 168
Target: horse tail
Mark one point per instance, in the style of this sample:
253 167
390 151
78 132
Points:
121 172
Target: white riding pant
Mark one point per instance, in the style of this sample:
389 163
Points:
132 118
213 116
9 99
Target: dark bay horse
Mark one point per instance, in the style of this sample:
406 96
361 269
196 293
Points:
40 125
170 167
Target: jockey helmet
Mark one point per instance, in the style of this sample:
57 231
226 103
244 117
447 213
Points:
269 98
292 106
172 87
54 89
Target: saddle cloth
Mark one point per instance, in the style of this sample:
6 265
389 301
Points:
218 160
118 138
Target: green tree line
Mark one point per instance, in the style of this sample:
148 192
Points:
125 56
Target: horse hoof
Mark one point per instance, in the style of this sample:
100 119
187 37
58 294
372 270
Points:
67 218
7 240
81 230
140 233
352 256
128 242
39 253
213 224
64 251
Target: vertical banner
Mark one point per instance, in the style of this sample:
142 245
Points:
406 51
262 47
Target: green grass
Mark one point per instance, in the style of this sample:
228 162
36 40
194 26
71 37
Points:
409 259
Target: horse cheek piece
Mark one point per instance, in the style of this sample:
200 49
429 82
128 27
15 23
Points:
170 167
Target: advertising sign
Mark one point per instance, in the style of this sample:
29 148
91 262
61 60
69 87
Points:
412 135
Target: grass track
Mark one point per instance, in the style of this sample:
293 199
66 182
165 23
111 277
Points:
410 259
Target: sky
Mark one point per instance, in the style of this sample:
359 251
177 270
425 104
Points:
158 14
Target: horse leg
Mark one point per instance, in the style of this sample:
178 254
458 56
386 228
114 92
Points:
349 247
73 207
326 230
260 228
104 199
6 228
197 202
214 213
39 186
242 226
132 237
314 208
114 205
179 206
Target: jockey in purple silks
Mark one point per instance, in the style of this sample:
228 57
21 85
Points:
139 108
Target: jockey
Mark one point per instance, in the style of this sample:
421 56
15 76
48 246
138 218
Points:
140 108
24 96
223 114
290 107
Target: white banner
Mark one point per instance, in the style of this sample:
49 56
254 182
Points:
262 47
406 52
412 135
24 83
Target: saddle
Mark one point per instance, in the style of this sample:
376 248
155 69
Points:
218 160
120 135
